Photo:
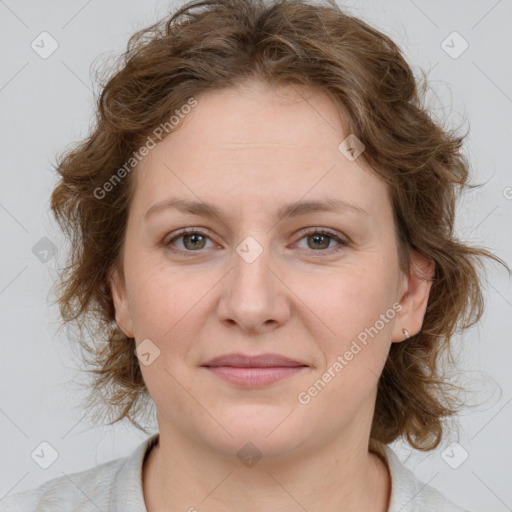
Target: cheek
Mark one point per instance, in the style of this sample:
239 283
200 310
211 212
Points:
170 306
160 298
357 308
165 309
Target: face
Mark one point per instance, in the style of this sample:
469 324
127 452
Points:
321 287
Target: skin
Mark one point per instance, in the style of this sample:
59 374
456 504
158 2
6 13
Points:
249 151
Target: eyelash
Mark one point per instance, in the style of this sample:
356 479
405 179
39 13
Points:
192 231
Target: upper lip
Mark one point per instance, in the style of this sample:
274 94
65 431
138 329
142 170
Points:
256 361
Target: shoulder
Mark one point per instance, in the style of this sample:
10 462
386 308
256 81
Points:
409 494
103 487
90 487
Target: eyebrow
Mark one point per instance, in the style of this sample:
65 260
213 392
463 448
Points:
297 208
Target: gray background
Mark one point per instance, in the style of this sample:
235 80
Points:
47 104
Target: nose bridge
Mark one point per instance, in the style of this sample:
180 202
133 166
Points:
255 296
252 261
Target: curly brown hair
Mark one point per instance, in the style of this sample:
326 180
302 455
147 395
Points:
207 45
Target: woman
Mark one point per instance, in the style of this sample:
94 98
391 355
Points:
263 240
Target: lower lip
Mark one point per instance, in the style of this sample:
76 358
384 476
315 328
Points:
254 377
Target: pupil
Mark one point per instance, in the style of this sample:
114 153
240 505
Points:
194 239
318 238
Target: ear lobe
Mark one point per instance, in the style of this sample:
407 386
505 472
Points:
120 299
415 297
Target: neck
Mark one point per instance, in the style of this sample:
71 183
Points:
181 474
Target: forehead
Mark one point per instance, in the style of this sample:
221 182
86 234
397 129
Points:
257 146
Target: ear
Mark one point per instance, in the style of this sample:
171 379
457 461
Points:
414 297
120 298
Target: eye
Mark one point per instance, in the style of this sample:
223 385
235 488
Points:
320 239
193 240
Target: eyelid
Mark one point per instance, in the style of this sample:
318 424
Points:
342 241
324 231
187 231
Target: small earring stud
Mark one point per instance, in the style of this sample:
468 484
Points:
406 333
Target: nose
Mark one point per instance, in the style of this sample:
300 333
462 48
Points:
255 296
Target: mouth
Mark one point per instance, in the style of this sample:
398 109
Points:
254 371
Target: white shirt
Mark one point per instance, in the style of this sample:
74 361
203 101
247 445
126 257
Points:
116 486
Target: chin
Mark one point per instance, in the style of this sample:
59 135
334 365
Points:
272 430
